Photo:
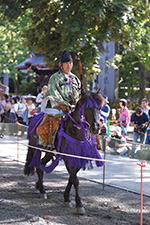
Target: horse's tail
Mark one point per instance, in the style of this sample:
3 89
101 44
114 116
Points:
35 122
27 169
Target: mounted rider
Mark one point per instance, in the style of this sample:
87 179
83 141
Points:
62 93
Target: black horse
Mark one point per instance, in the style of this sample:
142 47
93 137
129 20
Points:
73 137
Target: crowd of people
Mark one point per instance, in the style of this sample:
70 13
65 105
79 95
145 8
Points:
14 109
140 120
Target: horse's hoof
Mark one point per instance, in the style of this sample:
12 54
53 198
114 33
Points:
68 204
43 195
80 210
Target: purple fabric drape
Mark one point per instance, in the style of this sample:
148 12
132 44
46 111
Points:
77 148
35 122
73 147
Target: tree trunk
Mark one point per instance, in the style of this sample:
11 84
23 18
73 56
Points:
142 85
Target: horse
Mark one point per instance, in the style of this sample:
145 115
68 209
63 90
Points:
73 137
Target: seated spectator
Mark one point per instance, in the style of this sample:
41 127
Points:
116 143
124 116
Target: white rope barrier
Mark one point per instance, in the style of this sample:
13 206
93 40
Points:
75 156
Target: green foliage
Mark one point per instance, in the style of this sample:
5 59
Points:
81 27
28 87
75 25
12 51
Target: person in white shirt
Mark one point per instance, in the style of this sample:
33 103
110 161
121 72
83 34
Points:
116 143
30 107
21 110
40 97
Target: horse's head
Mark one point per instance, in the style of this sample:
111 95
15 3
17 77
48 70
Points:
91 104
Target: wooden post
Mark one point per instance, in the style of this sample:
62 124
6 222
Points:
17 143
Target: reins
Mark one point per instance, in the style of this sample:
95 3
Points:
89 103
77 125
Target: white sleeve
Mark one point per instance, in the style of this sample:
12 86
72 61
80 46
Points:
39 98
16 107
106 112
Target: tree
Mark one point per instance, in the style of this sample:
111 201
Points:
76 25
12 51
136 52
81 27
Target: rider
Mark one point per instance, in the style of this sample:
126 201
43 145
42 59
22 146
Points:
62 93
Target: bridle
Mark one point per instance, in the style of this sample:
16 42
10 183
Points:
91 102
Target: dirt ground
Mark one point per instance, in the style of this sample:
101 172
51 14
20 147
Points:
21 204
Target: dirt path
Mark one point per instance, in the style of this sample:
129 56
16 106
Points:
20 203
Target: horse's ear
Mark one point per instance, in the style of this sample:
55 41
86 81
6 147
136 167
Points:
99 91
82 91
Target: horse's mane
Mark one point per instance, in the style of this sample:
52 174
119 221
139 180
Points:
96 95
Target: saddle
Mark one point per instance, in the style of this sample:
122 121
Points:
49 126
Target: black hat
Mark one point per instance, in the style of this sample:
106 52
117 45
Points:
65 57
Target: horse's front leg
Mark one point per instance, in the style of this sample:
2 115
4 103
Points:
73 179
67 201
48 156
39 183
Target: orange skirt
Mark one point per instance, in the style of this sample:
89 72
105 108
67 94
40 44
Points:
48 126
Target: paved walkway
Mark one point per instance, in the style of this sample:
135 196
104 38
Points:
119 171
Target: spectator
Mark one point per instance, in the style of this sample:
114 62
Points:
100 142
105 111
3 104
21 110
103 126
7 109
9 97
30 108
139 120
144 105
13 111
145 108
18 101
124 116
116 143
1 109
40 97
